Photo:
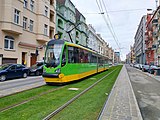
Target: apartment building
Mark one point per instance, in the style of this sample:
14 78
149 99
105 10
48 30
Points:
92 39
139 46
111 55
25 28
71 24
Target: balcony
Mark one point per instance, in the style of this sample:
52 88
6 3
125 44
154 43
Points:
158 14
42 38
11 27
24 44
154 46
52 7
146 49
158 41
52 24
52 3
155 22
149 46
155 34
150 35
146 32
146 38
158 28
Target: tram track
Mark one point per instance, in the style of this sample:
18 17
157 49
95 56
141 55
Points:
30 99
61 108
52 102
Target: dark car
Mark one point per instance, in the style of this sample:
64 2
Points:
10 71
36 69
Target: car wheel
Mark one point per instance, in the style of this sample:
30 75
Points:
2 78
24 75
37 73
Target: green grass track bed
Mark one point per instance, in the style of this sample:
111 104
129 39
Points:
87 107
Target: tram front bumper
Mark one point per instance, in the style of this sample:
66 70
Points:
52 75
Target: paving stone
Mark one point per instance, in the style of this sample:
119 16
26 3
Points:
121 104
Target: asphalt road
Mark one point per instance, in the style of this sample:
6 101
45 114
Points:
17 85
147 92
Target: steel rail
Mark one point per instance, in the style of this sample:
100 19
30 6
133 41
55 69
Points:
49 116
30 99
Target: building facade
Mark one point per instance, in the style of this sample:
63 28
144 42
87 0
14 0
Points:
111 55
25 27
139 46
149 40
81 29
92 39
155 20
71 24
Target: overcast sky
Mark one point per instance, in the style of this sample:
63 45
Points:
124 15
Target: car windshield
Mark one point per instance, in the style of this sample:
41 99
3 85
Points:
36 65
53 55
4 66
145 65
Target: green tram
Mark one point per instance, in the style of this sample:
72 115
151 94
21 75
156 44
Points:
66 62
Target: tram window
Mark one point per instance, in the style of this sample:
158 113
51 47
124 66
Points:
106 61
76 55
70 55
89 57
85 56
81 55
93 58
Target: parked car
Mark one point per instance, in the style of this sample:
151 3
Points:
131 64
140 66
145 68
136 65
152 68
36 69
10 71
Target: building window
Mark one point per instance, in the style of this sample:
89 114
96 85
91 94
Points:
60 23
25 3
46 11
51 17
16 16
9 42
24 23
32 5
51 2
31 25
45 29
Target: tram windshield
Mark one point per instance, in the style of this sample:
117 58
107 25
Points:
53 55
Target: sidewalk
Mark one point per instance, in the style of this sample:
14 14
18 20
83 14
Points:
121 104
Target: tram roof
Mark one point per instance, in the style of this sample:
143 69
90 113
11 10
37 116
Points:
59 41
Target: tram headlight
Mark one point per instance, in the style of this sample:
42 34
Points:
58 70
